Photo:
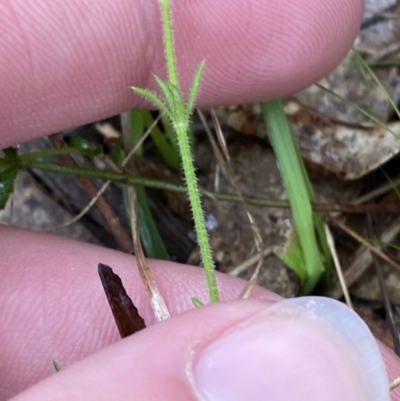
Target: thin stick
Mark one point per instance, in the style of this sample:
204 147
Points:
250 262
338 267
362 260
377 192
119 232
366 244
95 198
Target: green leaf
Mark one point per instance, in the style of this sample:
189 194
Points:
7 180
196 86
169 153
167 92
173 99
11 153
137 123
57 367
297 189
116 153
152 242
149 95
197 303
77 142
292 255
178 105
6 163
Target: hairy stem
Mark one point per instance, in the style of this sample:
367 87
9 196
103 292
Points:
198 215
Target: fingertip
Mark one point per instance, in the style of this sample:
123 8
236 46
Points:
67 64
277 48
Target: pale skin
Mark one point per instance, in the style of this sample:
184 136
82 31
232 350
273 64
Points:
68 63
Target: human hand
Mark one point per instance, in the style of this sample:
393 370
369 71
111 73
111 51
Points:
53 78
53 307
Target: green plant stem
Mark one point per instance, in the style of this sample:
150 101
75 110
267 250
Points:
180 113
169 43
198 215
155 184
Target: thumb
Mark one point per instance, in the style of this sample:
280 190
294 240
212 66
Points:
304 349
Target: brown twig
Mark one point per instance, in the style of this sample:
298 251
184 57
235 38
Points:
120 234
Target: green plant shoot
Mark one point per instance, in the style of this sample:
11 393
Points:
179 113
303 254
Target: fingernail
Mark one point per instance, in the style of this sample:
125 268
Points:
309 348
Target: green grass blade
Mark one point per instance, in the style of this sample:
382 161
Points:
365 65
298 193
152 242
137 123
168 152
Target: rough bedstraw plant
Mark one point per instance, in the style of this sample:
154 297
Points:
174 106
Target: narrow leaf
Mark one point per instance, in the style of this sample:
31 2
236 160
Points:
197 303
153 98
292 255
166 89
298 193
11 153
77 142
56 366
117 154
196 86
137 123
151 240
167 151
7 180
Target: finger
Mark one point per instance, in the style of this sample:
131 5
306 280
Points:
53 306
68 63
392 363
237 351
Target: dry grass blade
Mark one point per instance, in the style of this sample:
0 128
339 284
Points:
222 155
251 262
156 300
371 247
84 211
96 197
377 192
121 236
363 259
338 267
